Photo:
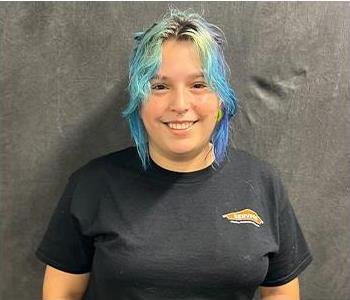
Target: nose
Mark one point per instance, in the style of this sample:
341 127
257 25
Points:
180 101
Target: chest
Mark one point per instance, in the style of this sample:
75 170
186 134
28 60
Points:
180 236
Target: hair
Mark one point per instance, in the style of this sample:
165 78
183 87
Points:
145 61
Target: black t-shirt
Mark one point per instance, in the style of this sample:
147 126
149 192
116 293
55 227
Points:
208 234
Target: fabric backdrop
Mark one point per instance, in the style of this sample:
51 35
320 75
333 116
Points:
63 86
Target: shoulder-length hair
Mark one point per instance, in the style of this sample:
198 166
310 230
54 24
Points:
145 60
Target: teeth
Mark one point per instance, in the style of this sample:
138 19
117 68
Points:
180 125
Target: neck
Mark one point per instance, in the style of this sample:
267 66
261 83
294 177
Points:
184 163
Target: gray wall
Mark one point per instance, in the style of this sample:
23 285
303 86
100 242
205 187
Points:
63 86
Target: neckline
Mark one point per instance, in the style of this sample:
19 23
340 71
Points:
158 173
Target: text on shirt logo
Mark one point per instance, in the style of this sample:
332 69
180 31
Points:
244 216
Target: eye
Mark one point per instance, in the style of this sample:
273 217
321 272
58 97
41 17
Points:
199 85
158 87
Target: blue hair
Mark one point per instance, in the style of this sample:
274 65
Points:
145 60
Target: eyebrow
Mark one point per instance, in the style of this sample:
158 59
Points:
191 76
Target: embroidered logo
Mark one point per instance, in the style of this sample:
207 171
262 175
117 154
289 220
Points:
244 216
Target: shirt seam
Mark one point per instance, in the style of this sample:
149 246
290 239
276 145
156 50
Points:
291 275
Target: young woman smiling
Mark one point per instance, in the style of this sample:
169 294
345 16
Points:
182 214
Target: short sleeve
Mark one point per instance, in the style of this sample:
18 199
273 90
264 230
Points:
293 254
63 246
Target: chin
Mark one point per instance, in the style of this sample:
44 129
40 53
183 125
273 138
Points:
181 148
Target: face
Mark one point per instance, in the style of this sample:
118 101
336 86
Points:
180 113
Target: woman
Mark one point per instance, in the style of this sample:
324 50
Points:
181 215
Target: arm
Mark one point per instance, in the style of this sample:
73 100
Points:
288 291
60 285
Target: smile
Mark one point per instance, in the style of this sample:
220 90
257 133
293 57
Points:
180 126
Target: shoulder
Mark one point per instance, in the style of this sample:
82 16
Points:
264 177
247 163
90 182
262 174
95 168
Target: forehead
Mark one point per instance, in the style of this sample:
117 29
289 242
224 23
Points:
180 60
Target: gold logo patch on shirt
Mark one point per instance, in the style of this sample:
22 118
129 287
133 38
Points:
244 216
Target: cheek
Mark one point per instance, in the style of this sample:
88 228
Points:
207 107
150 112
206 110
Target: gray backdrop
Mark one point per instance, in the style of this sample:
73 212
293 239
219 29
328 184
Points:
63 86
